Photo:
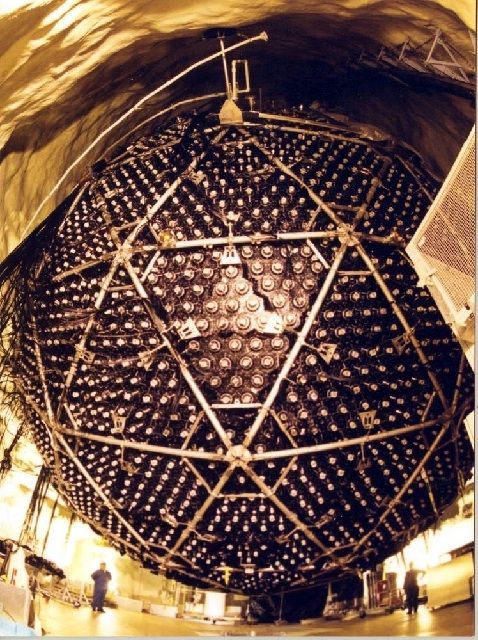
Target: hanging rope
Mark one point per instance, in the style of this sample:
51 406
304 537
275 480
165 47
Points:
36 504
47 534
6 462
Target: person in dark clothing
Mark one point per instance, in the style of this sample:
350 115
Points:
100 577
411 588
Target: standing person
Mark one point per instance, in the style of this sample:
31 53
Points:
101 577
411 588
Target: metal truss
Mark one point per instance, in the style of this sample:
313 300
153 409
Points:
441 58
239 456
137 106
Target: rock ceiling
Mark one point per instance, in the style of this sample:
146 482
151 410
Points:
69 68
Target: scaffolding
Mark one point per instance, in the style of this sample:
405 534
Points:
436 56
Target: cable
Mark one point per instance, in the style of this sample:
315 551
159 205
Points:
261 36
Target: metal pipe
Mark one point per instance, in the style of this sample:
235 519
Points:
341 444
290 515
226 72
405 487
169 192
117 255
120 257
252 239
404 322
282 427
318 255
459 380
208 96
127 157
81 267
371 237
143 446
81 191
375 183
50 522
236 405
98 490
135 107
285 169
293 353
110 534
414 174
193 429
234 80
283 474
212 242
200 512
89 325
203 402
77 462
323 134
295 119
46 395
193 470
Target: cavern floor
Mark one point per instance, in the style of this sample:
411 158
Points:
63 620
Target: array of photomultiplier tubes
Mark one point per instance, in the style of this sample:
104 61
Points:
220 311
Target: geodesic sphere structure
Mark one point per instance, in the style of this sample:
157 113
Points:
226 361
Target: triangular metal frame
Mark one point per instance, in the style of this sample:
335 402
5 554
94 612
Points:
236 457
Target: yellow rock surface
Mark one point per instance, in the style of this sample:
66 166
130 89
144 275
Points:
69 68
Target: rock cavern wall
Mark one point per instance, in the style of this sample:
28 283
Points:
68 68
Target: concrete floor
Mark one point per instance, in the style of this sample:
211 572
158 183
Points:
63 620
